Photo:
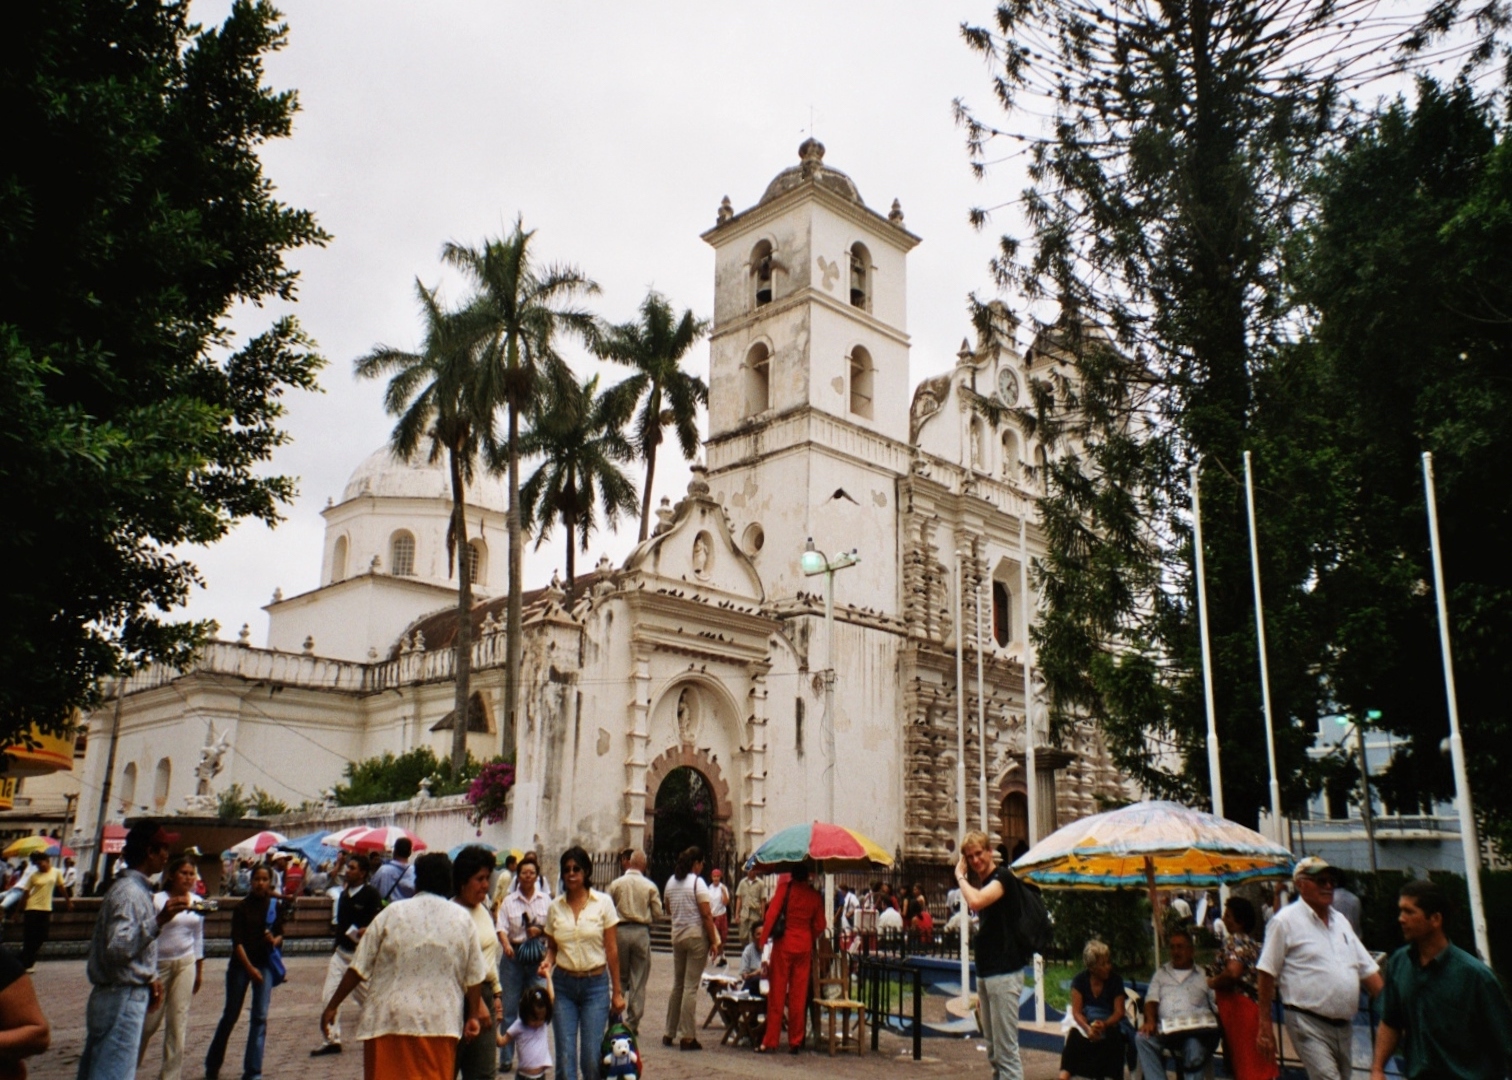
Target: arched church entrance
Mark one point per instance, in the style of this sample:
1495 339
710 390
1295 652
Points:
690 805
1015 823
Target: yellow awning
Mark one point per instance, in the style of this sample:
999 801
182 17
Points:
45 754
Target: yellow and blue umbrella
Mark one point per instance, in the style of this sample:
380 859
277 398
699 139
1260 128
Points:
1160 845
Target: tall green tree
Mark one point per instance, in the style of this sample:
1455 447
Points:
444 399
1408 273
520 312
578 435
1162 189
134 215
668 396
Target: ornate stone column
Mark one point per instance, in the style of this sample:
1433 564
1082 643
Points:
638 739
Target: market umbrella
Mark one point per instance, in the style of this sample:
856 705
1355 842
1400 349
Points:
258 844
339 838
452 854
380 839
829 847
32 845
312 848
1182 848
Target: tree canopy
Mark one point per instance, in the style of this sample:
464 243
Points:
134 214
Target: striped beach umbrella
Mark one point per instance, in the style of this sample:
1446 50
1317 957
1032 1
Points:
821 845
382 838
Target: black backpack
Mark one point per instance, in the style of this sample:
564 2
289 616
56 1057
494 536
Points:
1035 931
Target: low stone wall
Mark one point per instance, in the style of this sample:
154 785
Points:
442 823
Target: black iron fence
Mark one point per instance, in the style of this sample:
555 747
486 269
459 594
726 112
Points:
893 993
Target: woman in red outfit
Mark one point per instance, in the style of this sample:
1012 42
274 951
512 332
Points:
1232 975
800 908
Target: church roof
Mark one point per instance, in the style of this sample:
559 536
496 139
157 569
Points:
386 477
811 167
439 629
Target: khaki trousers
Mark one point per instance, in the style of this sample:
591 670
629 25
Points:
172 1015
688 955
635 965
337 967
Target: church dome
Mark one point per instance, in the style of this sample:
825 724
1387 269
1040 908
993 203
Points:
811 167
383 476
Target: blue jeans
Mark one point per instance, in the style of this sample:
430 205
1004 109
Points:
113 1022
1192 1052
580 1020
237 983
515 978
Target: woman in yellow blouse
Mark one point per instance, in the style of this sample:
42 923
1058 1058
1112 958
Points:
582 961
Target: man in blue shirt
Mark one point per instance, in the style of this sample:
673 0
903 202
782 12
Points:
395 879
122 963
1442 1006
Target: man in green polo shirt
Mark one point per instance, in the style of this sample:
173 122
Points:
1445 1007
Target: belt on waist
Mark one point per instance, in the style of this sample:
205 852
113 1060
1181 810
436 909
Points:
589 974
1330 1020
632 922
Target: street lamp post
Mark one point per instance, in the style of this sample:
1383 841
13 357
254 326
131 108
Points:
816 562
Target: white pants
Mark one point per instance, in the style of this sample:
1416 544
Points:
177 977
340 961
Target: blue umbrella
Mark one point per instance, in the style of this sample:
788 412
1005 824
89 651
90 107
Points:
452 854
311 848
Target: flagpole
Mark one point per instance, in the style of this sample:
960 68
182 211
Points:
981 715
1468 838
1215 776
1031 777
1265 694
960 636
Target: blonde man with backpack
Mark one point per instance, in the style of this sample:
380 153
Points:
991 893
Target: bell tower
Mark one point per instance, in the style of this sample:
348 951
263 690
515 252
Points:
809 306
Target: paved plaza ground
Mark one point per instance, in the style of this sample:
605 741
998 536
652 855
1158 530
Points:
293 1030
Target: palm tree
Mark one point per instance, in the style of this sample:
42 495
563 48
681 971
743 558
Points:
441 397
577 435
654 348
519 312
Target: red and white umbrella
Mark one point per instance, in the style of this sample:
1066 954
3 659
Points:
339 838
258 844
380 839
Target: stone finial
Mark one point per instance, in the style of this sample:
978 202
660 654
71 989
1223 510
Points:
664 515
811 154
278 596
244 637
698 486
726 211
965 354
604 565
425 788
372 654
376 565
895 215
309 645
419 641
556 581
330 502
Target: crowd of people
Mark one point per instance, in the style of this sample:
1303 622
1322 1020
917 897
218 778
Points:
470 967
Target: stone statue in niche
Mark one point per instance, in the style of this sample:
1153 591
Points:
203 801
976 446
687 717
703 555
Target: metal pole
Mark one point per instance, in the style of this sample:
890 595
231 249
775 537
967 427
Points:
1265 694
960 634
1031 773
1215 775
829 728
981 715
1468 839
110 758
1366 811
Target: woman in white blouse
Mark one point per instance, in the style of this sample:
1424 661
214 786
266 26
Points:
181 964
522 926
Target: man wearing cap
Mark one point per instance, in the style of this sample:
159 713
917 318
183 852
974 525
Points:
122 963
1312 954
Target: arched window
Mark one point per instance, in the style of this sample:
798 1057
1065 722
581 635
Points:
477 562
860 277
402 553
339 560
1002 613
758 380
761 272
128 787
160 783
861 382
1010 456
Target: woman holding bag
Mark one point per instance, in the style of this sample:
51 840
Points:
256 964
694 940
522 928
795 919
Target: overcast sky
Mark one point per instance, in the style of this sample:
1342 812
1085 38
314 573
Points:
615 130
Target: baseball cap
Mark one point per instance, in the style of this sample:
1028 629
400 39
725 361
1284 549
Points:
148 834
1313 866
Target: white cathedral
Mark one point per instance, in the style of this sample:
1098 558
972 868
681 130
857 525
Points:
706 649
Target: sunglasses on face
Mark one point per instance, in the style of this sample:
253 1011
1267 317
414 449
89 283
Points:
572 869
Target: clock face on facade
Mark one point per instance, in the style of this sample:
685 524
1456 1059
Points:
1007 387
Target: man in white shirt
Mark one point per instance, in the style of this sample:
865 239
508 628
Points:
638 903
1180 1014
889 918
1312 955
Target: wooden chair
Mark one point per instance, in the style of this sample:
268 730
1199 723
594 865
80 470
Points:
831 996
